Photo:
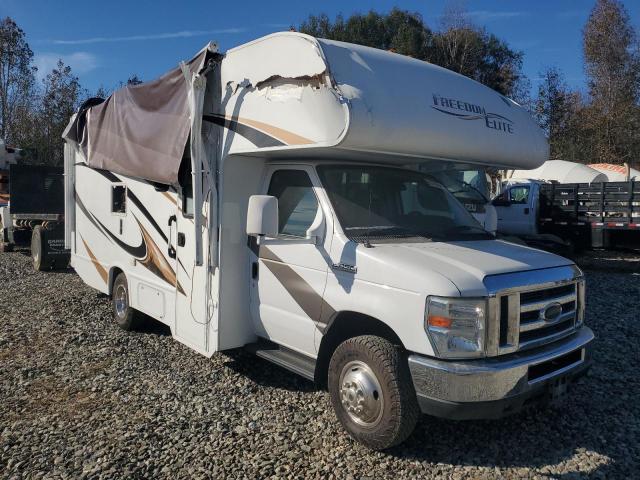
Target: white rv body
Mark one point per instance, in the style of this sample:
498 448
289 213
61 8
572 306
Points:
291 105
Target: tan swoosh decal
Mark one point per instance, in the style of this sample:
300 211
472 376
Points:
155 261
101 270
170 197
311 302
281 134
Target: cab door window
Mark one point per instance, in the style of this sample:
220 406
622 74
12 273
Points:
297 203
519 195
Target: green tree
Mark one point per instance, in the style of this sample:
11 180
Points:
612 65
459 45
17 78
399 30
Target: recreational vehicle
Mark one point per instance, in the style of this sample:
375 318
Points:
258 199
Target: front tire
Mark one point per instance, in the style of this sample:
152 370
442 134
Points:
125 316
372 392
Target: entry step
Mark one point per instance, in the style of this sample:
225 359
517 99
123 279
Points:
285 357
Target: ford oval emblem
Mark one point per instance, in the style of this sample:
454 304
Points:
551 312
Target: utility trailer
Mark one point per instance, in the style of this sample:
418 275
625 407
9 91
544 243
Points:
34 216
582 215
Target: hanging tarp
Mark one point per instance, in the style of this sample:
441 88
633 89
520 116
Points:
141 130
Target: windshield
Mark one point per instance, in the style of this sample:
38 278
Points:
468 186
382 203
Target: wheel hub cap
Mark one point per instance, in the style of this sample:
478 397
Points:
121 301
360 394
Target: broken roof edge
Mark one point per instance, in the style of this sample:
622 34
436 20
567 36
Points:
273 64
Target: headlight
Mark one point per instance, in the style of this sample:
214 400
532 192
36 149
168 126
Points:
456 326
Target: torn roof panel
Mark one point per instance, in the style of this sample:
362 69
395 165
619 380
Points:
281 55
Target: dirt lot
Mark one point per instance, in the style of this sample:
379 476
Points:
81 399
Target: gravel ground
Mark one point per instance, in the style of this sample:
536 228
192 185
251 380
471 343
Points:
81 399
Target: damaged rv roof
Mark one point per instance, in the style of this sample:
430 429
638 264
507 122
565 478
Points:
290 94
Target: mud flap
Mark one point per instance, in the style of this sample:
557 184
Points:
53 245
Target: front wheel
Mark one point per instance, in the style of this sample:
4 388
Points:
372 392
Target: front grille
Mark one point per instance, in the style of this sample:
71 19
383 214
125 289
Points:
528 316
535 329
537 295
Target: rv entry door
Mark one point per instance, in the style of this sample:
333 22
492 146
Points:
191 322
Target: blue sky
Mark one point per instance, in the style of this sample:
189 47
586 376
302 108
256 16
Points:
107 41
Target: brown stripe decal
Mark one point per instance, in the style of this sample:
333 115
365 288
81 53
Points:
262 134
101 270
311 302
152 257
155 262
281 134
170 197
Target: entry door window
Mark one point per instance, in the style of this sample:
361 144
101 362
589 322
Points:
186 186
297 204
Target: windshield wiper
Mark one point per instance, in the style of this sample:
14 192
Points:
467 229
469 186
388 231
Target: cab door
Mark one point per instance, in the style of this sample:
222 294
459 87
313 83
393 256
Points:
516 215
289 272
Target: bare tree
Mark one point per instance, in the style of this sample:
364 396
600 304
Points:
612 65
61 95
459 44
17 76
560 111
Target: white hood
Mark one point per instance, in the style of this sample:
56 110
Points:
414 266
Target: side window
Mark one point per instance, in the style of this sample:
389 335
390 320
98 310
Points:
519 195
297 204
118 199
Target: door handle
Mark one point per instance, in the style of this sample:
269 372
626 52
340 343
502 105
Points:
526 211
171 251
181 239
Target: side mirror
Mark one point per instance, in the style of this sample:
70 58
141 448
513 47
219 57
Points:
262 216
500 202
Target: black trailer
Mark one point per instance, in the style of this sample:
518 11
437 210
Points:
596 215
35 215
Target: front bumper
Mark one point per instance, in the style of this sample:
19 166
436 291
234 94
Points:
498 386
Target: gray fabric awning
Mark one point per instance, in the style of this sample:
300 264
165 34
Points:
140 130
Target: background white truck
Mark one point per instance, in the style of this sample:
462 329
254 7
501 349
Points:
256 199
571 215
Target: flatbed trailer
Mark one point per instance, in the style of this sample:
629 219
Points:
606 214
34 216
584 215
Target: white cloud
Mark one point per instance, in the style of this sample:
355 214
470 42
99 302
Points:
80 62
488 15
157 36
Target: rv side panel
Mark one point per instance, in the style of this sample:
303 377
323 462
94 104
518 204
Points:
121 226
